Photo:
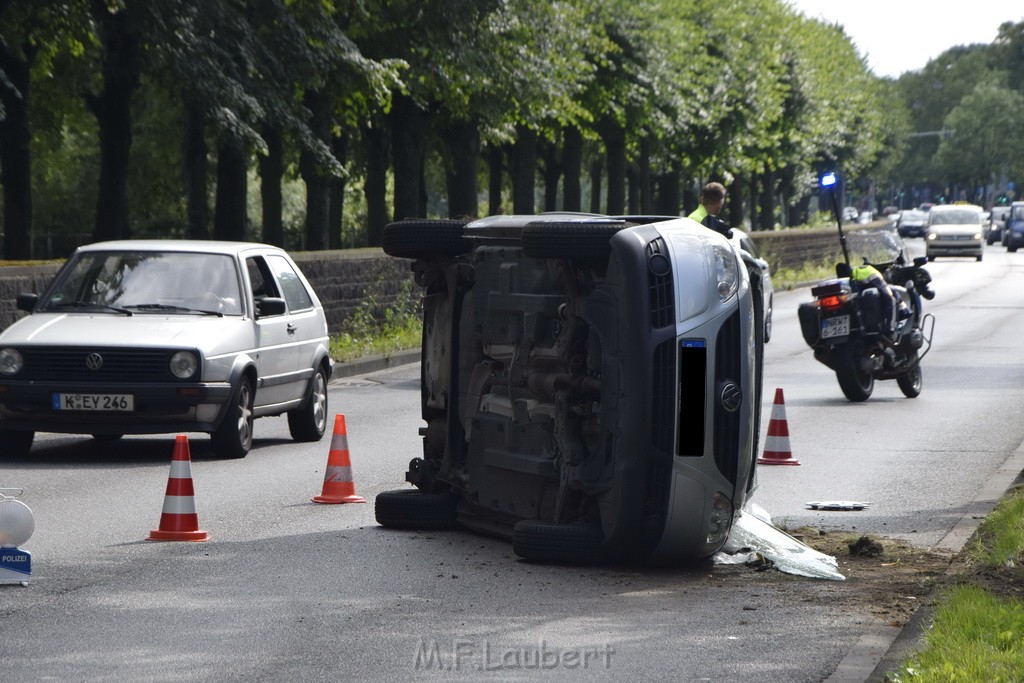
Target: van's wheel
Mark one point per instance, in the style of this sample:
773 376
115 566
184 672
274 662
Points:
554 542
309 422
415 510
568 240
233 437
911 382
856 384
15 443
423 239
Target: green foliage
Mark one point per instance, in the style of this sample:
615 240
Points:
1000 540
743 91
988 136
366 332
975 636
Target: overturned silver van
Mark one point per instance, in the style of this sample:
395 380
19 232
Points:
590 384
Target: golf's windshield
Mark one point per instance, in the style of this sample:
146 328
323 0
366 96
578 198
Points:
148 282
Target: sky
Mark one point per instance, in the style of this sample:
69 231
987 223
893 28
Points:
902 35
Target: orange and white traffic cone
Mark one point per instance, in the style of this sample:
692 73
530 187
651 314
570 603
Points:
338 484
179 521
776 445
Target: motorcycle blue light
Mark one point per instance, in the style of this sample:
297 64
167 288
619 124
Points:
829 179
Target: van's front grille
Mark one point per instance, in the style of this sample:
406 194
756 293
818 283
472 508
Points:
728 368
659 284
663 396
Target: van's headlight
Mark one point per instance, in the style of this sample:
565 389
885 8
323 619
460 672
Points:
727 272
932 235
719 521
11 362
184 364
977 235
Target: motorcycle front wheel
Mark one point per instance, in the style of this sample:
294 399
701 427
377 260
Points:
856 384
911 382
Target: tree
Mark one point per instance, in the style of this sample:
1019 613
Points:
987 137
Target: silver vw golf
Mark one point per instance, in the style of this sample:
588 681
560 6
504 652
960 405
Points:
165 336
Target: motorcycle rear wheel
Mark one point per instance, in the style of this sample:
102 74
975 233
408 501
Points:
856 384
911 382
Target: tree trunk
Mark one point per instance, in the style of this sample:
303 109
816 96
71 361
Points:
408 153
524 166
271 172
551 171
766 200
596 170
614 138
120 65
195 170
736 203
668 197
316 177
644 176
15 154
495 168
230 219
691 199
633 188
375 188
335 224
755 209
572 165
462 141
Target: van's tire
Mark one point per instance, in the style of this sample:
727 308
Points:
571 240
553 542
414 238
415 510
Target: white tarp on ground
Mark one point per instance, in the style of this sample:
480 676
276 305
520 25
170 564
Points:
753 534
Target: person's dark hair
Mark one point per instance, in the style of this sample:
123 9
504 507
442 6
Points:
713 192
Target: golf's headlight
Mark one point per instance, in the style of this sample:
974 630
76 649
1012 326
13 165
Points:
11 362
727 271
184 364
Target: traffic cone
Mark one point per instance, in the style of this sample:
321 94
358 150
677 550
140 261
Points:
338 485
776 445
179 521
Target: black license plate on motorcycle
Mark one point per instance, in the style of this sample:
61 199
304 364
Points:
838 326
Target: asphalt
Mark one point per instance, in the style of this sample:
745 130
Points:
883 648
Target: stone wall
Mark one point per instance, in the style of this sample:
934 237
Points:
345 279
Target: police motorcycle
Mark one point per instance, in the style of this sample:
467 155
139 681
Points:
845 323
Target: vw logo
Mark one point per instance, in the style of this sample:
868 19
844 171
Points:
730 395
94 361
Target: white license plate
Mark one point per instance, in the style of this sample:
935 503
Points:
118 403
838 326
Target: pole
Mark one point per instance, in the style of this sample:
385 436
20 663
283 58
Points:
839 222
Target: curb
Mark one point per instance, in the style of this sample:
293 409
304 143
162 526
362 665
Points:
908 639
367 364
